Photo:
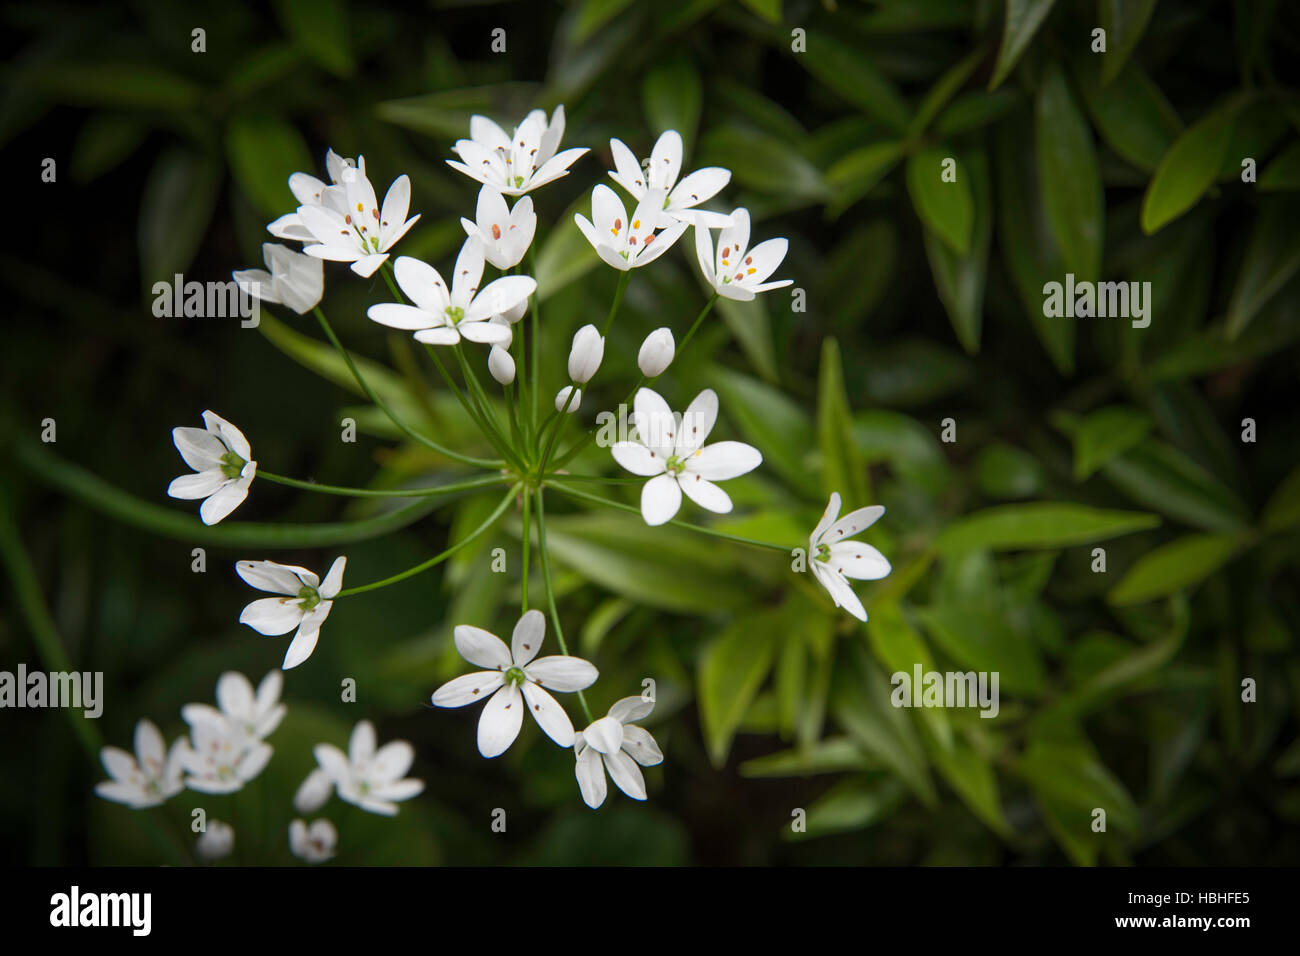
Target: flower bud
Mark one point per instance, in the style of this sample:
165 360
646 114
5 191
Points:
584 358
514 313
656 353
501 365
313 793
562 399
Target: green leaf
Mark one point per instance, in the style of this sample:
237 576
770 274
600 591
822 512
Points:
1005 471
1068 783
760 162
1164 479
959 279
769 10
104 141
1039 525
594 14
114 85
1283 173
772 422
1181 563
566 255
175 209
1023 18
970 774
843 69
673 96
946 208
842 468
900 648
944 89
1272 258
752 328
1101 435
974 110
445 115
981 638
732 669
1124 22
1131 114
1283 509
264 151
321 28
1069 176
831 755
857 173
851 804
668 568
1189 167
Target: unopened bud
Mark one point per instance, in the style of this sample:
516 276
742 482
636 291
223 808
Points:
562 399
501 365
584 358
656 353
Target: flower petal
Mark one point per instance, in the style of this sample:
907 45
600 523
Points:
605 735
469 689
637 458
853 559
590 772
723 460
527 637
661 497
562 673
202 484
697 422
625 774
641 747
199 448
853 522
631 708
550 716
397 316
705 494
499 724
272 616
303 643
481 647
333 582
271 576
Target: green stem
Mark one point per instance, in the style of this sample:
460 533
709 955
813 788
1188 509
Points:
438 558
484 482
575 493
550 592
383 406
623 279
528 547
559 427
690 334
481 423
476 391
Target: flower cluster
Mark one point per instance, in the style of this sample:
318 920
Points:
450 312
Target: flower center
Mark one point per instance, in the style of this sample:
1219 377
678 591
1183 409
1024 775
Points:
823 552
232 465
519 182
515 675
675 465
455 314
308 597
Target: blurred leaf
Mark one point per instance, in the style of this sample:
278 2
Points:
1189 166
1283 509
947 208
565 255
832 755
115 85
1069 176
944 89
1124 22
980 638
851 805
175 209
842 470
858 271
1164 479
1101 435
1283 173
771 421
1069 783
1039 525
974 110
760 162
1272 258
673 97
909 447
971 775
914 15
914 372
1131 114
1005 471
900 648
959 279
264 151
857 173
446 115
1023 18
321 28
854 77
732 669
1181 563
104 141
769 10
594 14
749 323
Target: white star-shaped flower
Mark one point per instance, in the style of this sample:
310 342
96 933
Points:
305 605
219 759
360 232
295 280
315 843
736 271
223 469
147 779
626 244
254 715
659 174
520 163
832 558
310 191
372 779
514 682
505 233
616 745
669 449
442 316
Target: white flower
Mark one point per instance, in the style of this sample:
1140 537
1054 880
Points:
220 457
665 163
295 279
515 164
668 450
505 234
314 844
313 792
565 404
216 842
738 272
514 682
149 778
306 605
440 316
370 778
586 353
501 365
360 232
833 558
626 244
219 759
656 353
310 191
613 743
255 716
